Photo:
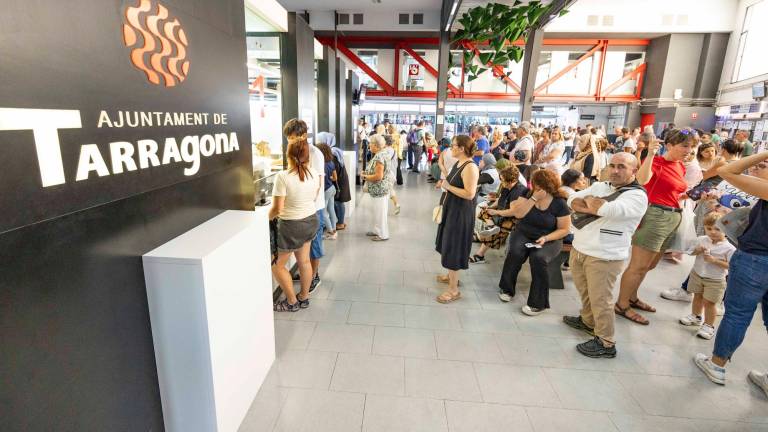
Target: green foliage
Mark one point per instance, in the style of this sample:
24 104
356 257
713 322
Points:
498 25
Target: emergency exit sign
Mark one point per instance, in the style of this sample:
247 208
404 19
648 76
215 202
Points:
694 116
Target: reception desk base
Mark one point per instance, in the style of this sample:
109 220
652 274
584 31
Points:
210 301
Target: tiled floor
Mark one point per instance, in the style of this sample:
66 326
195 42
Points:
375 352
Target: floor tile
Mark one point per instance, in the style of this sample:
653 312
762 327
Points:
342 338
404 342
531 350
400 414
321 411
591 391
559 420
264 410
412 295
372 374
516 385
293 335
468 298
376 314
432 317
479 417
441 379
324 311
354 292
487 321
647 423
305 369
455 345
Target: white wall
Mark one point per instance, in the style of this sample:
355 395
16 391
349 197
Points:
739 92
648 16
375 21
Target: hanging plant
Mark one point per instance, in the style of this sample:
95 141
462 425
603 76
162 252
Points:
495 26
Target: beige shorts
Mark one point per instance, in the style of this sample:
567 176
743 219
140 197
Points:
657 229
713 290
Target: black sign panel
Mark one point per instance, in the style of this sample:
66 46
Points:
105 99
587 117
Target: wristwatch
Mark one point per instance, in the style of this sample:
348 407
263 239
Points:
533 198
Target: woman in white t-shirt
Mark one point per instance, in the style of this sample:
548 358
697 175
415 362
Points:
293 205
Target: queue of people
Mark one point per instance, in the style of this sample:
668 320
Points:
615 208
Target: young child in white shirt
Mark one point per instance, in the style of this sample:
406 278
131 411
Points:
707 279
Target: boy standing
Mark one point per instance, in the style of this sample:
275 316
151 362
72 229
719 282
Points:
707 279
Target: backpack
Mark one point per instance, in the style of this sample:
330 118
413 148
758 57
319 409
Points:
580 220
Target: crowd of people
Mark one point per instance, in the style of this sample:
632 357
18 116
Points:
617 204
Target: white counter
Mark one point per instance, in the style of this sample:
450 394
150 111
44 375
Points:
350 162
210 303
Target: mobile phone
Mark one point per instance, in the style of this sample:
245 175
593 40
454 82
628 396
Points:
697 191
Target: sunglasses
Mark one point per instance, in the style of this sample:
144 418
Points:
760 166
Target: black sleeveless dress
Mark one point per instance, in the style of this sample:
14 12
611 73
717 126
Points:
454 235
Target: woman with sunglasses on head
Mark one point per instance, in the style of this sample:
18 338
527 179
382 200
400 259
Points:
748 278
664 181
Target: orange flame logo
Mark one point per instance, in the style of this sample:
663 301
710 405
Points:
158 41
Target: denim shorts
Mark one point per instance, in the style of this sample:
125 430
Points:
316 250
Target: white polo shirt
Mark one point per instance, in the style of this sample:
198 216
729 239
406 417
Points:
317 162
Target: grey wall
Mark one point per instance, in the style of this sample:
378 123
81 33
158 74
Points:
711 65
682 64
297 63
343 97
656 57
326 92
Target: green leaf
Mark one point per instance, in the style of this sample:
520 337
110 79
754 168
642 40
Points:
481 70
563 12
468 57
518 53
472 78
485 57
497 44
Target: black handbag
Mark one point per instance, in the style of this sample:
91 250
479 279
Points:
273 240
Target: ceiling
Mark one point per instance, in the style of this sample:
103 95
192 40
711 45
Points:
466 5
361 5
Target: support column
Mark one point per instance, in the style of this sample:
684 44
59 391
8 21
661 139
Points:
326 92
297 69
530 67
442 81
342 99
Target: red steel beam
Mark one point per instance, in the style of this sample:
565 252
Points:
601 71
637 71
567 69
432 71
396 75
368 71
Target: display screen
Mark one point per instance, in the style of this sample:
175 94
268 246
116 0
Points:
758 90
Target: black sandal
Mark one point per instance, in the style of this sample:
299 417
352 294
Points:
284 306
303 304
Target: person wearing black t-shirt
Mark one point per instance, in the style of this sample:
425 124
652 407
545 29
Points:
543 221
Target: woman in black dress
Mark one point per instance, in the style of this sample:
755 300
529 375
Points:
454 234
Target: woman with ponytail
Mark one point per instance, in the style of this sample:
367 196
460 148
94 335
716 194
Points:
293 204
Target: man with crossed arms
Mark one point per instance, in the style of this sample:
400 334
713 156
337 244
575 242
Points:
601 248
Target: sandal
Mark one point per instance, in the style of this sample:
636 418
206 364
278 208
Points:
341 227
444 279
643 306
477 259
448 297
635 318
303 304
284 306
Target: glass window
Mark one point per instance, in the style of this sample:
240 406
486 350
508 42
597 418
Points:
264 94
371 59
750 59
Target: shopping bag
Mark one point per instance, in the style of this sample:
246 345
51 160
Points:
686 231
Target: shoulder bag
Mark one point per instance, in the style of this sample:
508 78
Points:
437 212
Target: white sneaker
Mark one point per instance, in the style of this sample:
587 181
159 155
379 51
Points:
506 298
677 294
489 232
720 309
691 320
532 311
715 373
760 380
706 331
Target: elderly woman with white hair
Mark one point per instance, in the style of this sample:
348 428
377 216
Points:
377 186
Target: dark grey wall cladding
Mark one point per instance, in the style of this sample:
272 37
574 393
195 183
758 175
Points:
76 350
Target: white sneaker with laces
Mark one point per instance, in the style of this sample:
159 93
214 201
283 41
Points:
489 232
760 380
691 320
532 311
677 294
715 373
505 297
706 331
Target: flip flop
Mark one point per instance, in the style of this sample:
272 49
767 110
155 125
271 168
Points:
447 297
636 318
643 306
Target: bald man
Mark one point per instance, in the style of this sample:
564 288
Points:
606 215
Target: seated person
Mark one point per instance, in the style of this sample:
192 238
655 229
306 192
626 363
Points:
500 226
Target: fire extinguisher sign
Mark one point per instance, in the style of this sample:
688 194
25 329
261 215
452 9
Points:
413 70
